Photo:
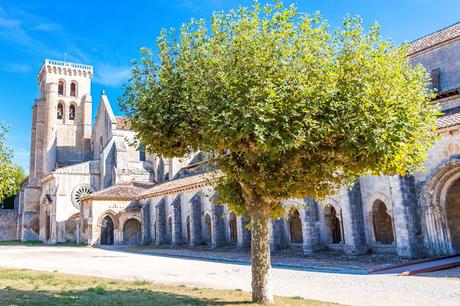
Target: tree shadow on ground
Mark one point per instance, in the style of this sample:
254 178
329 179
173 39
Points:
101 296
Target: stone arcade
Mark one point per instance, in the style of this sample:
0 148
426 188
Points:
88 184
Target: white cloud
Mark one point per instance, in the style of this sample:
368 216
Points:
15 67
112 76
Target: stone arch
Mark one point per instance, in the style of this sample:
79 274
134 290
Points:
208 226
434 203
333 223
132 232
73 89
107 230
112 215
72 111
233 227
60 110
295 226
61 87
382 223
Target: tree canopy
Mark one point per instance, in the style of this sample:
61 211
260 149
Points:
11 175
290 107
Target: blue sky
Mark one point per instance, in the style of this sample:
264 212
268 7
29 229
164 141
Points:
108 34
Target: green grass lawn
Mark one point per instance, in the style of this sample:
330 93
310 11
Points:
26 287
19 242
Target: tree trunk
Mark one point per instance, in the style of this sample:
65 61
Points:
262 291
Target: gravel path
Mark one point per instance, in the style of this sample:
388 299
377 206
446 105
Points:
340 288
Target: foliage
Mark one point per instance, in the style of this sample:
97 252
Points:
11 175
289 107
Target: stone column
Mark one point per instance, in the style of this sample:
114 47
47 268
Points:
353 221
244 234
402 192
218 226
195 221
176 238
160 220
310 224
146 223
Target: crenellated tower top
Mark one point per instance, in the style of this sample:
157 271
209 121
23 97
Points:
65 69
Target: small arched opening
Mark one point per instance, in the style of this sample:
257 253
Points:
233 227
295 226
383 225
107 230
333 224
61 86
208 223
73 89
72 112
132 232
60 111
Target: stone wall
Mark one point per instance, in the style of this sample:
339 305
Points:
8 224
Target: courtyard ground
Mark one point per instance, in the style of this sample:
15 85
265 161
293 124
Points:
26 287
344 288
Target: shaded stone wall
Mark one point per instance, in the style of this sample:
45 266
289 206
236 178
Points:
8 224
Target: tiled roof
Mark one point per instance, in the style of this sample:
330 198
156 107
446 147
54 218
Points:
178 185
123 123
450 118
121 191
436 38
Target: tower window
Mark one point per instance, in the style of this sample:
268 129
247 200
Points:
60 111
72 112
73 89
61 88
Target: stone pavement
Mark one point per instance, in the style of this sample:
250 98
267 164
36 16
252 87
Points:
351 289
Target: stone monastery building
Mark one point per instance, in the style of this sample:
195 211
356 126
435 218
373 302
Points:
90 184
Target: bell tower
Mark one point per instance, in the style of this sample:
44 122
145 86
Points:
61 117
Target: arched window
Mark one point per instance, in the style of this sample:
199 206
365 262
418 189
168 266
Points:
233 227
295 226
383 225
61 88
107 231
60 111
73 89
72 112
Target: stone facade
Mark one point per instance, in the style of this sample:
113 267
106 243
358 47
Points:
8 224
71 157
410 216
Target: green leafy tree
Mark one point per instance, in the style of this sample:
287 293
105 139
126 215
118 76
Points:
288 107
11 175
